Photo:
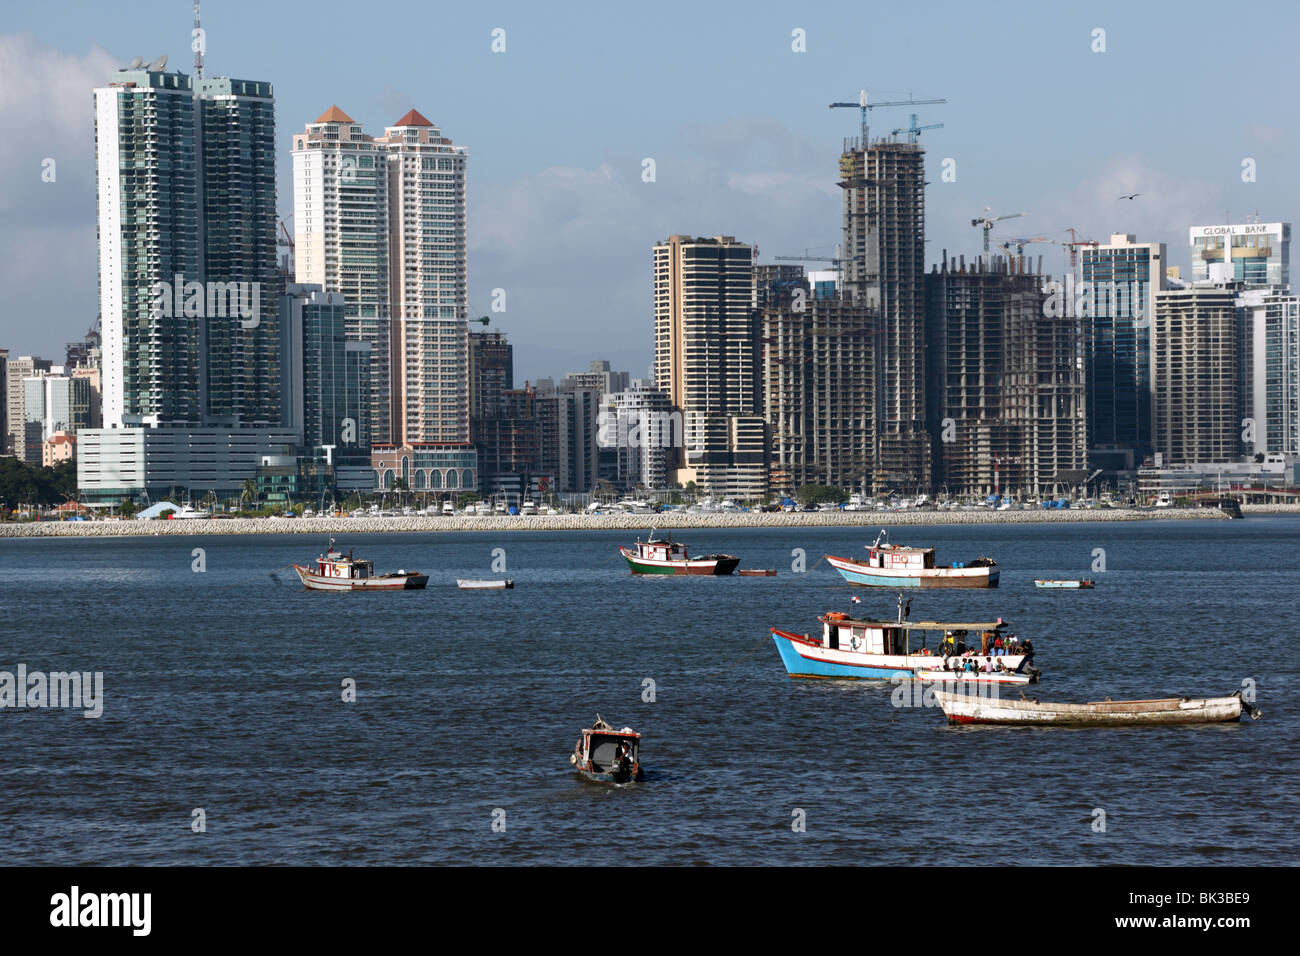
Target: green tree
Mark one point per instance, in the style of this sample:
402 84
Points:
818 494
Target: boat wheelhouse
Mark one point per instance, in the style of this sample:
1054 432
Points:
335 571
666 556
606 755
899 566
852 649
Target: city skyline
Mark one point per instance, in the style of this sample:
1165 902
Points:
755 161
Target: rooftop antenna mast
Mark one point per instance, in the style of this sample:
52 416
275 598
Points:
199 43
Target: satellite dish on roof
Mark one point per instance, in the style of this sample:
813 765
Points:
137 63
158 64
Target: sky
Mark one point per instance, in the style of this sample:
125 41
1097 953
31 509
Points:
1045 116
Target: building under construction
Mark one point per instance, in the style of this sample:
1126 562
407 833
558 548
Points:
1006 390
883 271
818 389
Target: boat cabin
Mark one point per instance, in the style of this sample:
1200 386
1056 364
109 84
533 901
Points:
900 638
335 564
661 550
899 556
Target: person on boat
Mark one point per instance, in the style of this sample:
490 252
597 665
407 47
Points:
997 645
1027 649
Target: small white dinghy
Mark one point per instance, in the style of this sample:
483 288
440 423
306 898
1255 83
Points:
466 584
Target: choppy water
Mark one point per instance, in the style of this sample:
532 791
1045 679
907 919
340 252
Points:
223 691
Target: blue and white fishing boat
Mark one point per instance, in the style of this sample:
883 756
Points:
851 649
897 566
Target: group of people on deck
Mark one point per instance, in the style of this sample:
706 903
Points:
958 655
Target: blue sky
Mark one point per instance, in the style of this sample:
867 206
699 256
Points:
736 121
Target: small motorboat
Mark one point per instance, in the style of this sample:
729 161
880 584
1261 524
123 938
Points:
1050 584
605 755
466 584
757 572
336 571
968 709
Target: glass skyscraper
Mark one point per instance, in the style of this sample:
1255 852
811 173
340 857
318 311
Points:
1121 278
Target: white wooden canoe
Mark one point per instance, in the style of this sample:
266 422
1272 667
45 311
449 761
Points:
970 709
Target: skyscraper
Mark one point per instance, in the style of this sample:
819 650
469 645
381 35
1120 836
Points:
883 269
1122 278
818 388
705 361
17 371
1006 402
185 173
382 219
1197 375
341 240
428 283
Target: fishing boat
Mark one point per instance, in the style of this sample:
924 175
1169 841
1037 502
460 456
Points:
851 649
666 556
967 709
1050 584
466 584
606 755
898 566
335 571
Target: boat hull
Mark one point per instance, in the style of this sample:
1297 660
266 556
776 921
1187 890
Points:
697 566
468 585
866 576
1063 585
964 709
808 659
398 582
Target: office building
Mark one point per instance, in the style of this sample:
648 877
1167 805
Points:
1121 278
1256 253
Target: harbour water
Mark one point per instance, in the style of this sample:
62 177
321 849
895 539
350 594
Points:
223 692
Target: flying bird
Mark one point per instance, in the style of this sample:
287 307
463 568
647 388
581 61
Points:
1130 196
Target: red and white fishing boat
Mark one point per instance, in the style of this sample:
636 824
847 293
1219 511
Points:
335 571
666 556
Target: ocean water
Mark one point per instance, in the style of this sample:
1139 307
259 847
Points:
223 691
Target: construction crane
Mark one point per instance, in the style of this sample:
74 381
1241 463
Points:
1074 244
988 221
914 131
1020 243
833 260
863 105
